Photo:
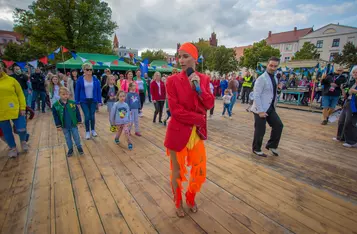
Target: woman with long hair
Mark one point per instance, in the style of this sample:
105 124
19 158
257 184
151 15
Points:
53 89
143 87
158 93
74 77
88 95
187 127
347 124
128 80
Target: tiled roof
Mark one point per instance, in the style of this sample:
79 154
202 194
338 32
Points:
18 36
240 50
285 37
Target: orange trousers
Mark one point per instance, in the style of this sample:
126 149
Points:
196 159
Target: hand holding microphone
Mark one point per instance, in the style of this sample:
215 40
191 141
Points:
195 79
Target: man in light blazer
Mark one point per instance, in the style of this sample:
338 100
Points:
265 100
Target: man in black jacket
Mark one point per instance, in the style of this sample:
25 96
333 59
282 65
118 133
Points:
331 92
22 79
39 88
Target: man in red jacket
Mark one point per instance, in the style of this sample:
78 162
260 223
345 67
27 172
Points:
187 127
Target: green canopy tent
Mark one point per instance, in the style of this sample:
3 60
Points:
102 58
161 66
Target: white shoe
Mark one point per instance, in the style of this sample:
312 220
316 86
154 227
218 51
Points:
230 117
94 133
350 146
24 146
13 153
87 135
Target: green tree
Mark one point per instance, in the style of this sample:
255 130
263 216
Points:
24 52
152 55
348 57
206 51
258 53
222 59
81 25
308 51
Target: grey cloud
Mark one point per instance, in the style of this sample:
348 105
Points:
6 25
166 23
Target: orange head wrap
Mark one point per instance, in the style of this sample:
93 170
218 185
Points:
190 49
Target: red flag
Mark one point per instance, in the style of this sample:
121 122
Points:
8 63
92 62
44 60
64 49
131 55
115 62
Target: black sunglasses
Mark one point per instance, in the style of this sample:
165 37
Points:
89 69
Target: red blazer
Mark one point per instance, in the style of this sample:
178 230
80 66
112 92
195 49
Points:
154 91
187 109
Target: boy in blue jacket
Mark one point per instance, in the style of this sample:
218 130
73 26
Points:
66 116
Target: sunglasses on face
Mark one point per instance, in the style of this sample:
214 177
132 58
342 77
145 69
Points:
89 69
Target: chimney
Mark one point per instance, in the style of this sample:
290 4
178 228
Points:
295 29
269 35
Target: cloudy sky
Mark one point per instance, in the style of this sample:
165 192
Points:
162 23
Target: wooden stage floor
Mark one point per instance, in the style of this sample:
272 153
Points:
310 188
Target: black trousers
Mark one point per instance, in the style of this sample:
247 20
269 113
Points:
245 94
211 111
347 131
142 99
275 123
159 106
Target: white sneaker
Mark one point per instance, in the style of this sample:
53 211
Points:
24 146
350 146
94 133
230 117
141 114
87 135
335 139
13 153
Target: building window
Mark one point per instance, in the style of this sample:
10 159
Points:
319 44
332 56
4 40
119 53
336 42
288 47
317 56
287 59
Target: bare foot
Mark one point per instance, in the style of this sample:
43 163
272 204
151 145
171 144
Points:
180 213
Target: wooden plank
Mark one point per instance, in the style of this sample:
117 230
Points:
39 214
155 213
65 208
111 217
134 216
87 211
20 195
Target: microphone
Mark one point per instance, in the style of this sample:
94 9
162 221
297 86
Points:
189 72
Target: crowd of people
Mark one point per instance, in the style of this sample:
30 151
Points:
67 95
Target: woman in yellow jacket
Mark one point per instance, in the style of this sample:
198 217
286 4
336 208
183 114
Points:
12 107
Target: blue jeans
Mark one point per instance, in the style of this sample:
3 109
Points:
89 108
35 95
329 101
20 124
233 100
68 134
227 107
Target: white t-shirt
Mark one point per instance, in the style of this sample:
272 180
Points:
211 87
227 99
158 84
88 87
